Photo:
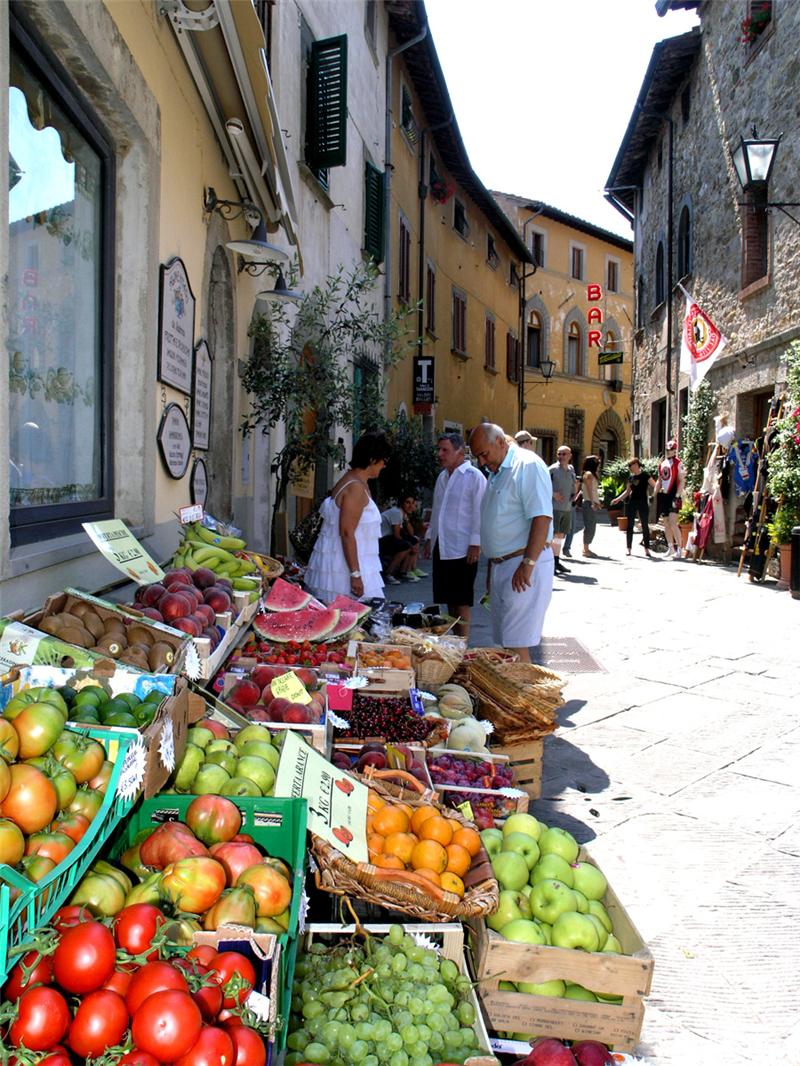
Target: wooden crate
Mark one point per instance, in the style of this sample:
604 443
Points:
629 975
526 761
503 805
449 938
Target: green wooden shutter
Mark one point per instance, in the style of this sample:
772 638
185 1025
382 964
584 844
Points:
373 212
326 123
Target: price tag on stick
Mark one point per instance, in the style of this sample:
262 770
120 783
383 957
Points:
289 687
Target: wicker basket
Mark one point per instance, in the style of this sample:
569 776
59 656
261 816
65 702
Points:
341 877
432 671
521 700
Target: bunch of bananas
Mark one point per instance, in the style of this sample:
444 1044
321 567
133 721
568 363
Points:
203 547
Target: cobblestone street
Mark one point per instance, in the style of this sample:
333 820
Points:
677 765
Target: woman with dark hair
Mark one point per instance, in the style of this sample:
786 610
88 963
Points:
345 559
590 489
638 505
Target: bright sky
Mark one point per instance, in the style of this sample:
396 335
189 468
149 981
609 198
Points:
543 90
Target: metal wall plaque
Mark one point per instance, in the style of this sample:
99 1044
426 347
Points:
610 358
424 391
198 483
176 307
201 397
174 441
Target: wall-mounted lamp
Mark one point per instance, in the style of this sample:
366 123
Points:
753 160
281 293
255 247
547 366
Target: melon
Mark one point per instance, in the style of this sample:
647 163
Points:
284 596
347 619
344 603
306 624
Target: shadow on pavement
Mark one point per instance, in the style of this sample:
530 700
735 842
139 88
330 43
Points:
566 767
576 579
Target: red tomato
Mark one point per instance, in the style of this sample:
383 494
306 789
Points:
81 755
57 1057
248 1047
232 966
32 969
135 927
151 978
120 980
213 1048
236 856
101 779
213 819
42 1021
100 1022
167 1025
12 842
68 916
74 825
209 999
31 801
138 1058
55 846
85 958
204 954
193 885
87 802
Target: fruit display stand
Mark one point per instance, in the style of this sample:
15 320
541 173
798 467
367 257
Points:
500 801
211 661
26 906
446 937
526 760
629 975
318 734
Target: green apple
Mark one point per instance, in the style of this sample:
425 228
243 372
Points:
598 910
579 992
225 759
512 905
552 868
263 751
218 744
258 770
240 786
613 946
526 890
546 988
188 767
573 930
525 845
522 823
510 869
589 880
492 840
522 931
549 899
546 928
200 736
252 732
608 998
583 902
210 780
602 935
555 841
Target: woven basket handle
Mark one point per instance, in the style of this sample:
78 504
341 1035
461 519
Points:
403 775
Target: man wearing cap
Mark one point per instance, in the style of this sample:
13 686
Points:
669 490
516 536
565 489
525 440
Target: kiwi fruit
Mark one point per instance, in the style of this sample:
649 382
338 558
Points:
140 635
79 608
135 658
161 657
52 625
74 635
93 624
110 645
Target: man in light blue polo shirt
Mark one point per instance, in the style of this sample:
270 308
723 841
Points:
516 536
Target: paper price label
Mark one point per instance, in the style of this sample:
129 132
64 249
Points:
289 687
132 772
116 542
259 1004
166 746
488 728
303 911
422 940
193 513
415 699
466 810
191 665
18 645
336 721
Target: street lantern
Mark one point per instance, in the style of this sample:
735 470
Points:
547 366
281 293
753 159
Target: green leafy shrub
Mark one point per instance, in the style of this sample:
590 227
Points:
784 462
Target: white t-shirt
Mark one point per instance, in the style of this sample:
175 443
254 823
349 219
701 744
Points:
456 515
392 516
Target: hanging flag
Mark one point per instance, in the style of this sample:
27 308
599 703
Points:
701 342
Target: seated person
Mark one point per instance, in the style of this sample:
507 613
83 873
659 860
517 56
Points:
398 545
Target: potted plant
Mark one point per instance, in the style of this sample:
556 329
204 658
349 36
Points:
783 479
686 520
780 532
609 490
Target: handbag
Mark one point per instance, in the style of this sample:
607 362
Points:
305 533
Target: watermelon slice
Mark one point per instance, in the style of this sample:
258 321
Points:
307 624
284 596
344 603
347 621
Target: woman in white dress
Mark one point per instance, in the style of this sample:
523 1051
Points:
345 560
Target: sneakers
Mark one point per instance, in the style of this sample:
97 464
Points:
677 556
566 552
419 573
392 580
410 576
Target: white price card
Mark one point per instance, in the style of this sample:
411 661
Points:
116 542
336 721
166 746
259 1004
191 664
132 772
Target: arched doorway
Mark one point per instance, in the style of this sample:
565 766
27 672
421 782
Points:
220 328
608 437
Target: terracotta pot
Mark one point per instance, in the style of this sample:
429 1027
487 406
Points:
613 515
685 529
622 522
784 581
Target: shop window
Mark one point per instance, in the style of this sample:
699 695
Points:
459 322
60 313
326 104
404 261
684 242
488 348
373 212
430 299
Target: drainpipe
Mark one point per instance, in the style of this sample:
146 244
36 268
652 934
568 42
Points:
387 171
423 196
670 388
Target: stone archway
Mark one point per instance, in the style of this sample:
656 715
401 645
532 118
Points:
608 436
221 334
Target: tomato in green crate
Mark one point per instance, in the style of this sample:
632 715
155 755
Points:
81 755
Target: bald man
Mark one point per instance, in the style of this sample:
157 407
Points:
517 537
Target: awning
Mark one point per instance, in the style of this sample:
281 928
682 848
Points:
223 44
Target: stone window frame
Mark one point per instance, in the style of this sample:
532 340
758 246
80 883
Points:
575 318
685 254
536 305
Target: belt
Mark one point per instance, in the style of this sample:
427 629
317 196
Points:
519 551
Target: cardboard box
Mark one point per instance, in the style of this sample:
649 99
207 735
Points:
629 975
265 953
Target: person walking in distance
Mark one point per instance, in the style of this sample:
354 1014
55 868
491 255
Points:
669 490
565 488
516 535
638 505
454 531
590 488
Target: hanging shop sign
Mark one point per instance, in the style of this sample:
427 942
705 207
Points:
609 358
302 483
201 397
176 308
174 441
424 391
198 484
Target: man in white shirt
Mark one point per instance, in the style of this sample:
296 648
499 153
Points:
454 531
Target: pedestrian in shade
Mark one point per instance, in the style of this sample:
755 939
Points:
638 503
565 489
590 488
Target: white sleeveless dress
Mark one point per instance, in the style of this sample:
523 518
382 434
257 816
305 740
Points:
327 573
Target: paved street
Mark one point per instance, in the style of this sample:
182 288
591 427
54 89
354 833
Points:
678 767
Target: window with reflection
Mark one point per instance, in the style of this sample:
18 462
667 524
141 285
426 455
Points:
574 353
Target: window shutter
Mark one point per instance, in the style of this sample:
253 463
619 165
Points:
326 124
373 212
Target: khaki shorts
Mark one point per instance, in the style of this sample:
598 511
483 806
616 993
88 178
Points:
518 617
562 522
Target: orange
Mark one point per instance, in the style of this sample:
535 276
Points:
390 820
459 859
429 875
375 844
405 807
469 839
430 855
451 883
438 829
374 802
389 862
420 815
401 845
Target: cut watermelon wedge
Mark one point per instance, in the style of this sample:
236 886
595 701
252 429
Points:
347 620
344 603
307 624
284 596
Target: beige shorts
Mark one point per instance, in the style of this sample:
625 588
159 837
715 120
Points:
518 617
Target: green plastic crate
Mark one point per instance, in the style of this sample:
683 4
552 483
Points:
37 903
279 827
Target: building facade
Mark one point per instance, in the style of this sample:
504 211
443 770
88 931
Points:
577 316
695 226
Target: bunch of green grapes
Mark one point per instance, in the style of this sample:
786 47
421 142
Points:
389 1002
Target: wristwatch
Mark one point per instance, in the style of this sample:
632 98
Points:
355 573
529 562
